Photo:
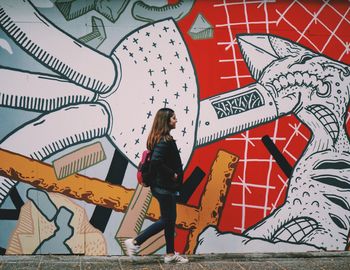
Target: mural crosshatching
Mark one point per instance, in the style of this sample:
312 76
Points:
261 90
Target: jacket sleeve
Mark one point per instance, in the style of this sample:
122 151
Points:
158 159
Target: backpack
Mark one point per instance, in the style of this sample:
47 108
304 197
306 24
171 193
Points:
144 174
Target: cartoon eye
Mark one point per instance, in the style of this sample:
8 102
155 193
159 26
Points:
305 58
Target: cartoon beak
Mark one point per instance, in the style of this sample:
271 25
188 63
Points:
257 52
249 106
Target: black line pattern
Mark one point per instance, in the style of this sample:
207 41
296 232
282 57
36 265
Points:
237 104
278 156
101 215
295 230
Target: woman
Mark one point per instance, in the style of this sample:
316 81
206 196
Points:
168 174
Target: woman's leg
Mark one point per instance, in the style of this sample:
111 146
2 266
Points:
153 229
169 216
167 204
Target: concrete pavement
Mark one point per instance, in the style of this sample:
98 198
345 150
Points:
308 260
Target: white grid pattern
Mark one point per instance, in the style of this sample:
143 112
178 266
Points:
315 20
296 133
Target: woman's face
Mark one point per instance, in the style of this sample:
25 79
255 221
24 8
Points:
172 122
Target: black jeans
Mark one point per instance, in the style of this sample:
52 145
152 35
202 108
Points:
167 204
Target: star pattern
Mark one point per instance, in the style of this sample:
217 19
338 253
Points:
156 74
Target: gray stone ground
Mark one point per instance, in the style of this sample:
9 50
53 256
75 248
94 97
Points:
309 261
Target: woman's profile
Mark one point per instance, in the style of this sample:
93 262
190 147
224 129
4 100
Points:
168 174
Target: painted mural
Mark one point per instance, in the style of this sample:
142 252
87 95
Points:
261 90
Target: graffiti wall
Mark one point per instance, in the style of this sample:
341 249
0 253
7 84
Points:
261 90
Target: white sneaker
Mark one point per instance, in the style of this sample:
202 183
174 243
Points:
176 258
131 248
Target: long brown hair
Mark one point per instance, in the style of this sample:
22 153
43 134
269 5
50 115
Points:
160 128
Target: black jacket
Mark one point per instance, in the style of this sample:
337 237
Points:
165 162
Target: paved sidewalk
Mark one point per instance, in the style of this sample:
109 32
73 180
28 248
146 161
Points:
309 261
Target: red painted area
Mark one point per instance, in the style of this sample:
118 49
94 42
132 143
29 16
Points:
173 2
319 26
